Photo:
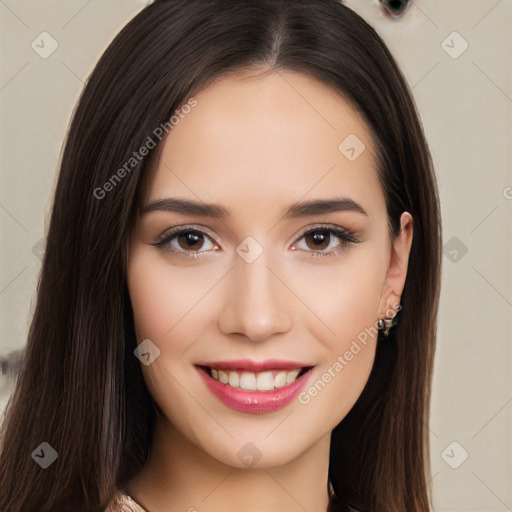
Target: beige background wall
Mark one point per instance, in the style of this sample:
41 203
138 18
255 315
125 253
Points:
456 55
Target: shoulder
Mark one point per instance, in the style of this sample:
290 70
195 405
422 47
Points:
121 502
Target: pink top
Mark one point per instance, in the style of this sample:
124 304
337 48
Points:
121 502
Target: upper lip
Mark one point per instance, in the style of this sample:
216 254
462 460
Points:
255 366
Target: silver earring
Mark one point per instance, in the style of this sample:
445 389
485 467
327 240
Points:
386 323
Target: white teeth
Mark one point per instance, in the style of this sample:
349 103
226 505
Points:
262 381
280 380
234 381
223 377
291 376
248 381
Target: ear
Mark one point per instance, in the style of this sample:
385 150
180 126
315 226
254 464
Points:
394 281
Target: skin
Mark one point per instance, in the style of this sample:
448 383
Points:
254 144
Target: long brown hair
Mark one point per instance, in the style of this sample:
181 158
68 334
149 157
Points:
80 388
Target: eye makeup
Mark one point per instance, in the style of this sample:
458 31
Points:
192 234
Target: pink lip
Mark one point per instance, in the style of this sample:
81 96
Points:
254 401
254 366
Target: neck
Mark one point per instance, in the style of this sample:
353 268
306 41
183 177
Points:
178 475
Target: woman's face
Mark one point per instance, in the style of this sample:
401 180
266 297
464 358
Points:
278 287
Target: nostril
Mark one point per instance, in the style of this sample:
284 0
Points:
395 8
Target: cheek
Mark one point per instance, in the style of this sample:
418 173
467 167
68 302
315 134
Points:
344 297
167 309
345 301
163 299
153 301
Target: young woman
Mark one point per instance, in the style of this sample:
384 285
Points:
238 300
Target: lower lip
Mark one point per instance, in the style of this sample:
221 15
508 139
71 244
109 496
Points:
255 401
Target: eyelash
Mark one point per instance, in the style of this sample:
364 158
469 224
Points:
344 235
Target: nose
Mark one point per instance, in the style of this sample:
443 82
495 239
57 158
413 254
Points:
256 302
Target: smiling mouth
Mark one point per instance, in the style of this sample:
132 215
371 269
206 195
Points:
267 380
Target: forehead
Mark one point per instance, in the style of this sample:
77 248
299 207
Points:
264 140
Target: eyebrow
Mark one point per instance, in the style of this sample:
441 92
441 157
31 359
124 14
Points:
301 209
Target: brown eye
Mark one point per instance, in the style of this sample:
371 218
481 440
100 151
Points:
190 240
318 239
325 241
186 242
